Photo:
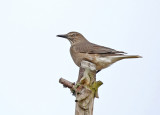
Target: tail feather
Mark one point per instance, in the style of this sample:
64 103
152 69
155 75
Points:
120 57
130 56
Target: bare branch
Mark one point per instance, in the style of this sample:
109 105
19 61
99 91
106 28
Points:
66 83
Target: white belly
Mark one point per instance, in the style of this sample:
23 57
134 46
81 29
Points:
104 62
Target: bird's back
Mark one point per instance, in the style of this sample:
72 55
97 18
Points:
99 55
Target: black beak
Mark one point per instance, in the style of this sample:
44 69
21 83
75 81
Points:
63 36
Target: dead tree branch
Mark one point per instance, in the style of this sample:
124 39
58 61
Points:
85 89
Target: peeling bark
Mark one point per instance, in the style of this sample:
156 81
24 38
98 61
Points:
85 89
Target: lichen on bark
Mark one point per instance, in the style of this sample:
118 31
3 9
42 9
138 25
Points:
85 89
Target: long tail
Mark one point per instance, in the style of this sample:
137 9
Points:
130 56
120 57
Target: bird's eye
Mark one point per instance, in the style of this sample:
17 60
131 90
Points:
73 35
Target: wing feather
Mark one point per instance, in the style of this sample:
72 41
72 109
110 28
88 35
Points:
91 48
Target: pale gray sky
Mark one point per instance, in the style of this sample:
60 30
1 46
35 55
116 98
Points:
32 58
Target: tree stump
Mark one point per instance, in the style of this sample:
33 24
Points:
85 89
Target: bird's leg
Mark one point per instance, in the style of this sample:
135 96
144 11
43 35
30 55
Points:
98 71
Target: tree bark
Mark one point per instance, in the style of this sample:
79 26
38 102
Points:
85 89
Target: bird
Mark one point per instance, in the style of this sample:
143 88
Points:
82 49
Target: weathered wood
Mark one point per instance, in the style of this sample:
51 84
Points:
81 71
85 96
85 89
66 83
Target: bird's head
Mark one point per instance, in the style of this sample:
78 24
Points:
73 37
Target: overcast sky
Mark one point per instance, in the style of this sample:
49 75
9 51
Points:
32 58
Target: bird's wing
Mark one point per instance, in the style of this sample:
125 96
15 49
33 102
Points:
95 49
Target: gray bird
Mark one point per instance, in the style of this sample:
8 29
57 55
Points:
102 57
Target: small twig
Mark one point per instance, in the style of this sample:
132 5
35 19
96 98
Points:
66 83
